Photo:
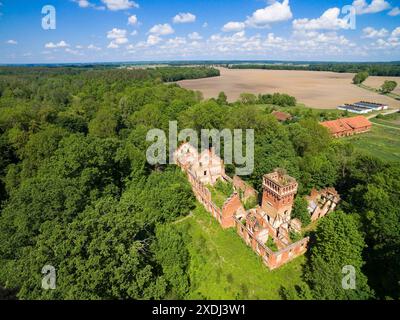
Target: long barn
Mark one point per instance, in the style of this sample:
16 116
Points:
348 126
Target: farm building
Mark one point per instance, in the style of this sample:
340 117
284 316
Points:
282 116
372 105
363 107
348 126
355 109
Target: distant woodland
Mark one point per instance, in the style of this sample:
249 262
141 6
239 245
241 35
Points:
373 69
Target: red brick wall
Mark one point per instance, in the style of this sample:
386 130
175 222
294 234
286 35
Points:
272 259
280 204
229 209
247 190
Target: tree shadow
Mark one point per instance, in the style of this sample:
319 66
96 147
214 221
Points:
8 294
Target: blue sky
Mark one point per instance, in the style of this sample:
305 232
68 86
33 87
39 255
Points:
145 30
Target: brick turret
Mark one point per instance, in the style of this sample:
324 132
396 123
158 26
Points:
279 190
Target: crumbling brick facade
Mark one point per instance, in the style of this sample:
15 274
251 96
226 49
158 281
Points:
246 191
323 202
268 228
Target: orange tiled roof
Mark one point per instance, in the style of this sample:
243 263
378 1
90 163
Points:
346 124
282 116
358 122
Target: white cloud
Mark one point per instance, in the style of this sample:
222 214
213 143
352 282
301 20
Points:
328 21
276 12
61 44
93 47
12 42
116 5
84 3
306 45
119 41
234 26
153 40
74 52
370 32
396 32
362 6
195 36
175 43
112 45
132 20
390 44
162 29
118 37
116 33
134 33
88 4
131 47
394 12
205 25
184 18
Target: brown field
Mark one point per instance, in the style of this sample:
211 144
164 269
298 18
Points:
377 82
320 90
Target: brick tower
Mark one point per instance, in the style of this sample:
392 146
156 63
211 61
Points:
279 190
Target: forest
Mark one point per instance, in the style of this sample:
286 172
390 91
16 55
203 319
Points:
77 192
373 69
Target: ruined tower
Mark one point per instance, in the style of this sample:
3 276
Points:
279 190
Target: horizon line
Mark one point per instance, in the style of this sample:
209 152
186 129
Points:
216 61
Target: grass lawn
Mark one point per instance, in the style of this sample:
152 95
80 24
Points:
383 142
392 120
223 267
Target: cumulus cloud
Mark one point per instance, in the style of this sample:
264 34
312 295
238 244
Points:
396 32
12 42
84 3
394 12
174 43
234 26
370 32
88 4
304 44
162 29
118 37
388 44
152 40
132 20
328 21
74 52
362 6
61 44
115 5
116 33
195 36
276 12
93 47
184 18
112 45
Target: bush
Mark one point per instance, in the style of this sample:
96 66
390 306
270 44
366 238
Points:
360 77
278 99
388 86
271 244
300 211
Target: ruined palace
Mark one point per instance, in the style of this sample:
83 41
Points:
267 228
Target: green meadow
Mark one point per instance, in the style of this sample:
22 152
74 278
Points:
223 267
